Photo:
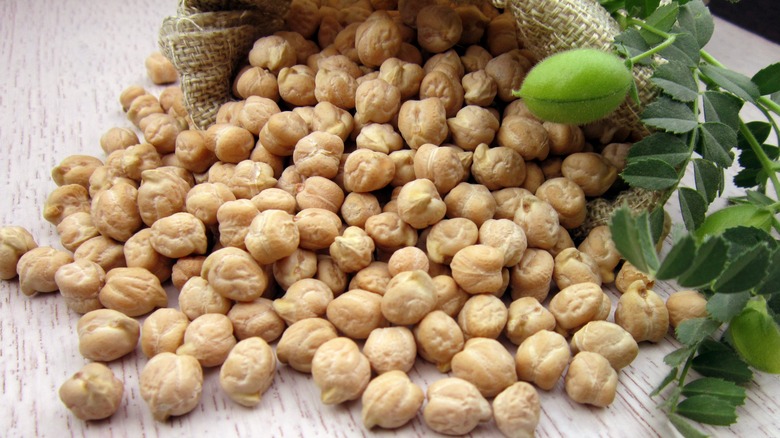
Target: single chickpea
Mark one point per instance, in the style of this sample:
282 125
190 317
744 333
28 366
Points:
455 407
332 119
104 251
508 200
307 17
358 207
331 274
684 305
525 136
172 101
419 204
272 235
163 331
377 101
209 339
64 201
600 247
447 89
439 338
407 259
319 192
160 195
409 296
366 171
439 28
479 88
527 316
117 138
297 84
508 70
564 139
282 132
128 95
406 76
301 340
377 39
391 400
134 160
235 218
37 268
356 313
340 370
487 364
75 169
300 264
449 236
318 154
303 47
539 220
541 359
573 266
142 106
160 69
534 177
171 384
233 144
506 235
474 23
478 269
179 235
185 268
15 241
450 297
248 371
140 254
192 153
317 228
228 112
472 126
203 201
501 34
306 298
591 171
329 28
374 278
273 53
616 154
642 313
335 86
591 379
275 199
483 316
106 335
423 122
475 58
578 304
567 198
390 232
79 284
160 130
628 274
352 250
380 138
235 274
344 40
132 291
390 348
93 393
404 167
256 319
198 298
255 81
516 410
471 201
607 339
442 165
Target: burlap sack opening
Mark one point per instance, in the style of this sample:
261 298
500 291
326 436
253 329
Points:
206 46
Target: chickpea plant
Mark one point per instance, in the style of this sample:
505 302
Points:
730 254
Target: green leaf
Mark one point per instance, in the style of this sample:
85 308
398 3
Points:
759 198
670 377
707 265
685 428
678 356
613 5
676 80
759 130
747 215
657 219
768 79
650 174
717 140
745 271
732 81
771 284
692 331
722 107
669 115
660 145
641 8
723 364
711 345
708 178
753 174
631 43
693 207
633 239
708 409
723 307
677 260
663 18
685 49
695 17
722 389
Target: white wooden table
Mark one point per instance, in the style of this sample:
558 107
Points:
62 67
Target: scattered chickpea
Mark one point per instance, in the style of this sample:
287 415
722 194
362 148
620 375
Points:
352 250
37 268
163 331
508 70
93 393
410 296
106 335
301 340
391 400
275 199
516 410
390 348
197 298
501 34
75 169
356 313
374 278
508 201
179 235
591 171
607 339
455 406
573 266
483 316
578 304
171 384
79 284
599 246
64 201
525 136
209 339
505 235
248 371
340 370
256 319
76 229
192 151
185 268
132 291
234 219
256 81
472 201
628 274
366 171
591 379
234 274
272 235
487 364
390 232
142 106
15 241
479 269
160 69
642 313
273 53
567 198
160 130
134 160
439 338
128 95
104 251
534 177
539 221
526 317
319 192
117 139
423 122
300 264
140 254
449 236
541 359
685 304
305 298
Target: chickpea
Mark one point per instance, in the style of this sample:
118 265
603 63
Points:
628 274
534 177
475 58
163 331
591 171
439 338
567 198
508 201
455 407
366 170
160 130
539 221
340 370
377 101
379 138
642 313
487 364
449 296
93 393
235 274
406 76
423 122
273 53
106 335
172 100
274 198
404 167
64 201
256 319
203 201
377 39
373 278
419 204
185 268
526 317
318 154
408 259
390 348
305 298
300 341
307 17
474 23
473 126
79 284
390 232
37 268
134 160
573 266
478 269
160 70
616 154
356 313
192 152
391 400
329 118
508 70
161 195
607 339
564 139
209 339
104 251
140 254
471 201
171 384
300 264
272 235
128 95
449 236
297 84
235 218
117 139
483 316
353 250
15 241
591 379
497 168
578 304
143 106
248 371
600 247
447 89
319 192
358 207
442 165
331 274
335 86
198 298
255 81
541 359
75 169
684 305
505 235
409 296
132 291
516 410
179 235
228 112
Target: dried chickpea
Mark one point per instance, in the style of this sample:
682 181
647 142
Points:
356 313
455 407
600 247
318 154
37 268
472 126
299 342
391 400
567 198
340 370
390 348
616 154
366 171
64 201
143 106
274 198
573 266
475 58
75 169
297 84
272 235
106 335
234 218
160 69
317 228
319 192
525 136
160 130
526 317
307 17
15 241
203 201
329 118
449 236
642 313
439 84
248 371
104 251
419 204
590 379
255 81
442 165
228 112
160 195
234 274
423 122
380 138
377 39
474 23
508 70
508 200
539 221
483 316
233 144
256 319
506 235
335 86
273 53
578 304
684 305
305 298
501 34
591 171
134 160
541 359
352 250
405 76
358 207
172 100
128 95
163 331
439 28
439 338
373 278
79 284
407 259
487 364
450 297
198 298
192 152
478 269
404 167
390 232
132 291
300 264
179 235
470 201
185 268
607 339
377 101
117 138
303 47
409 296
564 139
93 393
140 254
209 339
628 274
534 177
331 274
171 384
516 410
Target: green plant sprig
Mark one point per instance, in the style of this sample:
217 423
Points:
730 254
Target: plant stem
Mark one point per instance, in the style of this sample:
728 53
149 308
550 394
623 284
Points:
669 39
766 163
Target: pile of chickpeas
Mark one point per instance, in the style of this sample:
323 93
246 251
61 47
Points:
376 194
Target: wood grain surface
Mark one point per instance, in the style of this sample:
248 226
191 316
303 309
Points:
63 65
